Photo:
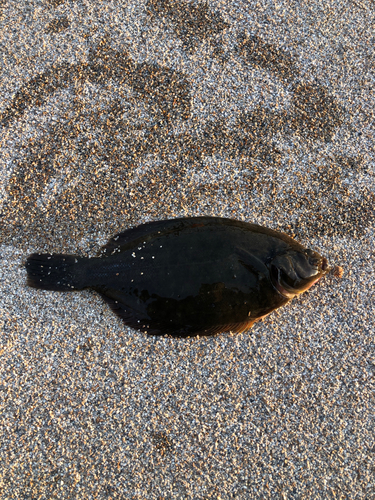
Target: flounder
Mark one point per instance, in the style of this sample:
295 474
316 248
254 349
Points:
187 276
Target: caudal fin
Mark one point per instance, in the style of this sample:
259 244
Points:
55 271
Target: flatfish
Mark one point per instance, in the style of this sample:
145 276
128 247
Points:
187 276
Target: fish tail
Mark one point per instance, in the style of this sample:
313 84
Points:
55 272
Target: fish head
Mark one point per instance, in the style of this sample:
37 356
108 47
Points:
295 271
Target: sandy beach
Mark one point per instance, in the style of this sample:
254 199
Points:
116 113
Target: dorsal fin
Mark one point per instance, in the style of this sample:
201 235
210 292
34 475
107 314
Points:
144 231
128 238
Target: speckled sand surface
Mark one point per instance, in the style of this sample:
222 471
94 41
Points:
116 113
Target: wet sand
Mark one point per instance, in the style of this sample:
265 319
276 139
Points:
117 113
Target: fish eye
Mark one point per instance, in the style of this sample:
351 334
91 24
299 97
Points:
312 257
310 253
314 262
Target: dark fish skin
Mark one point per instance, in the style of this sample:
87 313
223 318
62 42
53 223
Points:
188 276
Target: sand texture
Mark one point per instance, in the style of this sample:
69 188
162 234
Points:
114 113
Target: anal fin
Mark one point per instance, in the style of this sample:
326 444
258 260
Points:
130 317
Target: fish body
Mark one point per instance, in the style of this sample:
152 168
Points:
188 276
